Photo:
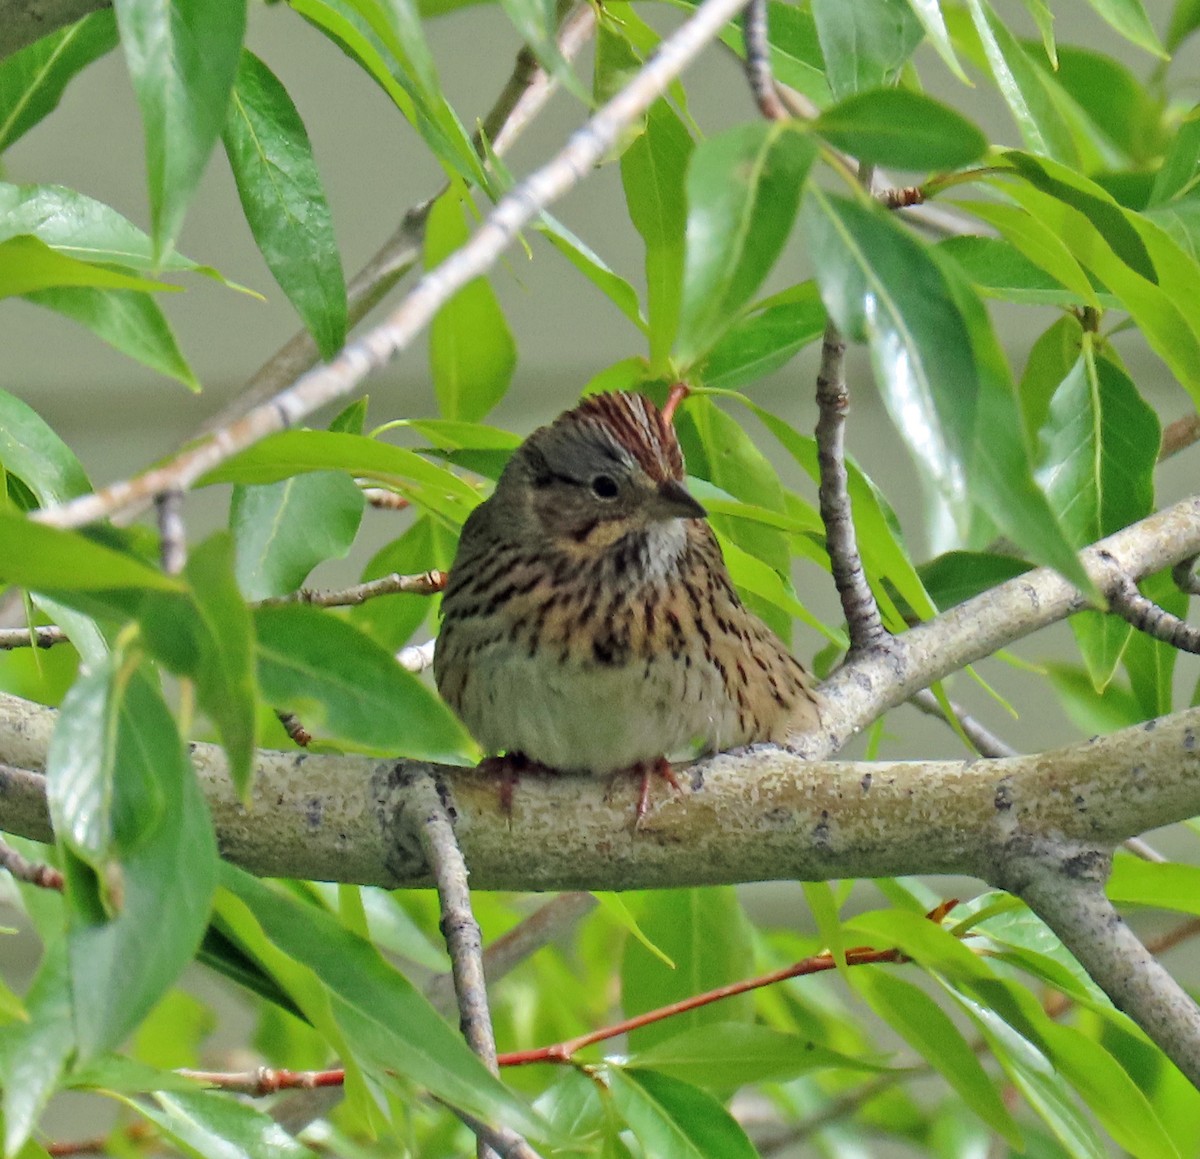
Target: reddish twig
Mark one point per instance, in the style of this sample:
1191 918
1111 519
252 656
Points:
1179 435
678 392
265 1080
32 872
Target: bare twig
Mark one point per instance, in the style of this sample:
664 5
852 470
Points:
32 872
384 500
172 534
328 383
427 583
1179 435
1185 576
1143 613
833 400
45 637
1140 848
986 743
758 62
435 829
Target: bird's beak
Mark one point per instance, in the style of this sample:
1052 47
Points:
672 501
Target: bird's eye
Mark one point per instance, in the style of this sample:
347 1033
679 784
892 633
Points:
604 487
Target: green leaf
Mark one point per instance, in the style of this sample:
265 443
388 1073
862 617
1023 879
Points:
387 1019
760 343
673 1118
730 1054
338 681
923 1024
27 264
32 451
122 961
615 288
537 22
1185 19
703 931
284 201
182 57
1178 171
471 350
943 375
901 128
1099 449
283 530
743 187
209 637
865 44
1164 886
32 81
652 173
998 269
291 453
34 1054
929 13
43 558
1150 662
1129 18
956 576
214 1125
130 322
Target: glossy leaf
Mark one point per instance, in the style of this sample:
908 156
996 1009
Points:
865 44
901 128
998 269
124 957
742 191
943 375
32 451
393 1025
182 57
928 1029
929 13
471 349
703 932
32 80
284 201
760 343
27 265
956 576
673 1118
344 685
212 1124
43 558
615 288
728 1054
283 530
1167 886
130 322
34 1054
291 453
652 172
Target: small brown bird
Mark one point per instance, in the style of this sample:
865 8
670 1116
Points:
589 622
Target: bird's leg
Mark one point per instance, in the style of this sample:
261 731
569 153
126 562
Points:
508 769
660 766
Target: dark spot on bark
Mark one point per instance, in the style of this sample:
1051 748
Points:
866 782
1003 800
821 832
314 812
1150 726
1080 803
1189 740
1086 866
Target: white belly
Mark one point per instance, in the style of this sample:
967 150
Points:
595 718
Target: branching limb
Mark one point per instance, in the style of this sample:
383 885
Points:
332 381
1064 886
1186 577
1145 615
758 62
45 637
172 533
833 401
427 583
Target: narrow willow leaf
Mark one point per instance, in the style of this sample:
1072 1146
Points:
903 129
182 57
341 683
27 265
929 13
1185 19
32 451
1181 164
956 576
122 962
865 44
283 530
703 931
537 21
212 1123
998 269
652 172
923 1024
471 349
32 81
943 375
674 1118
742 191
130 322
284 201
615 288
728 1054
396 1028
34 1053
1129 18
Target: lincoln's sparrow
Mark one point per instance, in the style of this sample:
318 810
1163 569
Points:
589 621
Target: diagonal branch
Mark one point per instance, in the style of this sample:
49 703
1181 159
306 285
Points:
334 380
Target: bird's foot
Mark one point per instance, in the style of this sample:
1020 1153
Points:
507 770
660 767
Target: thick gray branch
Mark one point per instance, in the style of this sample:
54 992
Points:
759 815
